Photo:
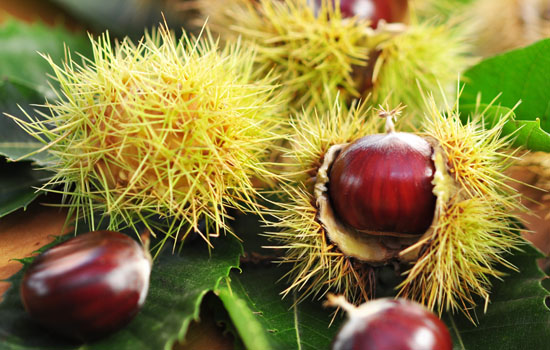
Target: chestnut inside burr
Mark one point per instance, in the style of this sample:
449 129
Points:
388 220
390 11
382 184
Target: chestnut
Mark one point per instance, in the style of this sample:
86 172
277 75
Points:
382 184
373 10
89 286
391 324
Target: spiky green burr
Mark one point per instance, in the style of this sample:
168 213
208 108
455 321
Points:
165 132
320 55
444 267
312 54
424 54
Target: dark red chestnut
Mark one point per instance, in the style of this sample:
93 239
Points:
88 286
389 324
382 184
373 10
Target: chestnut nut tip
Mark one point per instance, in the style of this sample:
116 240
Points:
390 324
89 286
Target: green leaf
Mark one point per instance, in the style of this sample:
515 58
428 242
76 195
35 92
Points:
24 77
526 133
21 43
254 303
264 321
520 75
516 318
178 285
15 143
18 183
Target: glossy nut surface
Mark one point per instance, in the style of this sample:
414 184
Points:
88 286
388 324
373 10
383 183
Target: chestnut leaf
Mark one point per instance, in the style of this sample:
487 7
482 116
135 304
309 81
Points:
178 284
526 133
24 78
15 143
517 316
253 300
519 75
24 82
18 182
264 321
21 44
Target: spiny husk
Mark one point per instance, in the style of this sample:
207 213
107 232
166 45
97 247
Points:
321 55
218 14
318 265
165 132
473 231
313 54
456 257
426 54
440 10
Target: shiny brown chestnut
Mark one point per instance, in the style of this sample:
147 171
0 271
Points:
392 324
89 286
372 10
382 184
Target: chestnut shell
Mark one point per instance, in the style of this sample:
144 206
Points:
388 324
390 11
88 286
382 184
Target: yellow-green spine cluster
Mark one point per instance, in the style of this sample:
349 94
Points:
318 56
474 228
318 265
464 247
165 132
